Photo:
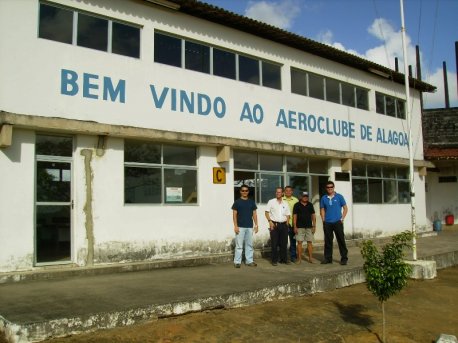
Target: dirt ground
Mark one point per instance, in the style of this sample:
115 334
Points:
420 313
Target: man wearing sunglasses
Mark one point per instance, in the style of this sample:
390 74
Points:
243 216
333 210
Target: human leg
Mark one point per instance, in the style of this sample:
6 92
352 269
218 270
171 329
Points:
340 237
299 252
283 233
310 251
238 248
292 244
274 239
328 238
248 237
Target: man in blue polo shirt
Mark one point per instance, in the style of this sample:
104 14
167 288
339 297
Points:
331 206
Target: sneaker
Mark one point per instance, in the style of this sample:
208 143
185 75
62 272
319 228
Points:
274 264
343 262
252 264
237 265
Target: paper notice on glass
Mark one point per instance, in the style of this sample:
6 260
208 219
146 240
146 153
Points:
174 194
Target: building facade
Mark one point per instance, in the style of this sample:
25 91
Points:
128 126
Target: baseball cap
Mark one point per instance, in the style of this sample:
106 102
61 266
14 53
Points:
305 194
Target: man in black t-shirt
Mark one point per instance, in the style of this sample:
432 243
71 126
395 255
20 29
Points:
243 216
304 222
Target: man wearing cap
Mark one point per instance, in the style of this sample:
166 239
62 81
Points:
304 221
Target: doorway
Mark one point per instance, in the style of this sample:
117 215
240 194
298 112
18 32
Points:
53 204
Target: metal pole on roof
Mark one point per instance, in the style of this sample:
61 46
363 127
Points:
409 124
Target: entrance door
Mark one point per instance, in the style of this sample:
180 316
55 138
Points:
53 199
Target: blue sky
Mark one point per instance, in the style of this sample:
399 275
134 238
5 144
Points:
371 29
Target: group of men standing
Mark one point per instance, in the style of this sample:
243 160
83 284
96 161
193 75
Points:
292 218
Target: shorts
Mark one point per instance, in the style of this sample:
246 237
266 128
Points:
304 235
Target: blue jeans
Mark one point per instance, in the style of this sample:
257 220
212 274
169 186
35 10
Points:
245 235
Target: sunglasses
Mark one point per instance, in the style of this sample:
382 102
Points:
244 190
330 187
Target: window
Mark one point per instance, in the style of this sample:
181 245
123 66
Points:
390 106
56 23
197 57
262 173
224 63
317 86
375 184
271 75
248 70
298 82
167 50
158 173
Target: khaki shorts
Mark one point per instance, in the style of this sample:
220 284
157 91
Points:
304 235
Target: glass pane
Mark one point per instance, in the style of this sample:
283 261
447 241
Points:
298 82
271 75
126 40
245 160
92 32
267 185
348 94
244 178
400 110
167 50
197 57
380 103
316 88
403 192
53 181
53 145
390 195
141 152
362 99
297 164
358 169
248 70
181 155
56 24
318 166
142 185
390 106
53 233
389 172
403 173
332 91
300 183
375 191
271 162
359 188
223 63
180 186
374 171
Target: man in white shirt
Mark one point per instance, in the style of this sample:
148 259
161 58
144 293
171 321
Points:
278 215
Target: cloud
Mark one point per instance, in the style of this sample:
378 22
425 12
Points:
391 47
277 13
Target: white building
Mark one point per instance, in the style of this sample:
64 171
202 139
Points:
114 115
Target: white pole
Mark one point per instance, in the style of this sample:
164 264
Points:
409 124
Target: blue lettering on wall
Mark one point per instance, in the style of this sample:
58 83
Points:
69 86
253 116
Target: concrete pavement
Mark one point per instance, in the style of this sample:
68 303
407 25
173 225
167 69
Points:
62 302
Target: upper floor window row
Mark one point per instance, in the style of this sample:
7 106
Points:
390 106
72 27
207 59
320 87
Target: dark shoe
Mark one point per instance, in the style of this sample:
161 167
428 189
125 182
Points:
326 262
252 264
274 263
287 262
343 262
237 265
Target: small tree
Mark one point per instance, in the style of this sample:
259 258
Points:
386 272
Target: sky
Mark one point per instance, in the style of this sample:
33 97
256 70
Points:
371 29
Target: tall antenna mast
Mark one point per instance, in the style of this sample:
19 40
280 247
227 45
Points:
409 124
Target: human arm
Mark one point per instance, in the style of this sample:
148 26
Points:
255 220
234 219
295 223
313 222
322 213
344 213
271 224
